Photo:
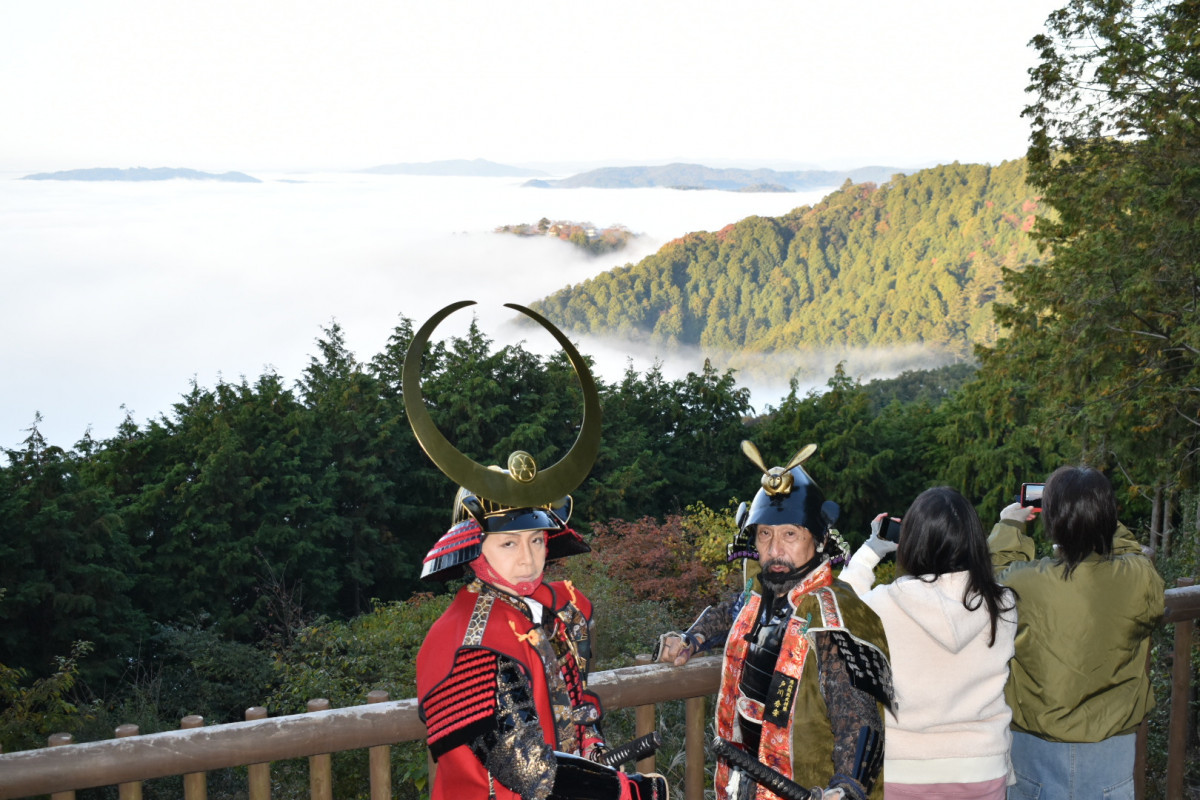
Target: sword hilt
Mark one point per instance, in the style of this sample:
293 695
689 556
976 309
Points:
759 772
634 750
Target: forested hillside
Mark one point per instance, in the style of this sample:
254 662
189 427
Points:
917 260
697 176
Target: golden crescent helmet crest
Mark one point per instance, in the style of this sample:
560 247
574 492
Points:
521 497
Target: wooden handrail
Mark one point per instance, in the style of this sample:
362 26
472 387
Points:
131 759
156 755
1182 603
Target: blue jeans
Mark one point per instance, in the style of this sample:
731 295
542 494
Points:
1072 771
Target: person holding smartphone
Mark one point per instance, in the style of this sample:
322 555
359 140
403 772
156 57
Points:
945 616
1078 686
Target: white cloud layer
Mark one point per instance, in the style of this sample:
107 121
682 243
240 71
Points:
123 293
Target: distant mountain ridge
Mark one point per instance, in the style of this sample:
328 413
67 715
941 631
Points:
476 168
917 261
697 176
140 174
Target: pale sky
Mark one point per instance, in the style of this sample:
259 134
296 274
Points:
316 84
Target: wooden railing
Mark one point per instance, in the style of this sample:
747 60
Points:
128 760
1182 611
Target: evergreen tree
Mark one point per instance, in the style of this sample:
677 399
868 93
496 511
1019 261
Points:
66 565
1105 332
360 447
420 499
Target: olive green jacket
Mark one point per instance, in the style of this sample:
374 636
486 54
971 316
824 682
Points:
1079 673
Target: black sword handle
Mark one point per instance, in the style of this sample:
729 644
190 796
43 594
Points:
759 772
635 750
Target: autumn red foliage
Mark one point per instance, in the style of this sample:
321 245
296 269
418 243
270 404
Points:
656 560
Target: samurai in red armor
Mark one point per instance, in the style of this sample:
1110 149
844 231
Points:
502 675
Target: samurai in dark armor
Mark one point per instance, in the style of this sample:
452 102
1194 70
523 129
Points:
806 678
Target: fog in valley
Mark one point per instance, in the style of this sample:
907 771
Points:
119 295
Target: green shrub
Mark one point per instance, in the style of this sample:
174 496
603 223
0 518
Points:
32 713
344 661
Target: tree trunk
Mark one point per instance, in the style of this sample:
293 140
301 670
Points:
1156 520
1168 510
1196 546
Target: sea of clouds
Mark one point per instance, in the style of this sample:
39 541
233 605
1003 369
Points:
118 295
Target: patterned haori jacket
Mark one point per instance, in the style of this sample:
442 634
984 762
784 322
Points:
822 722
498 693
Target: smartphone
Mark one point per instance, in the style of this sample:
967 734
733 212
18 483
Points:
889 528
1031 494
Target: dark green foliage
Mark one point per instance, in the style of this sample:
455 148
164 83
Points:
343 661
233 478
929 386
196 671
253 507
67 566
916 260
868 461
667 444
1106 333
991 444
364 451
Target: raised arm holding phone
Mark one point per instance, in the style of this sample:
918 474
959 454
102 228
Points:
1078 685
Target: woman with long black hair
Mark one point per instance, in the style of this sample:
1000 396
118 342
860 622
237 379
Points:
950 627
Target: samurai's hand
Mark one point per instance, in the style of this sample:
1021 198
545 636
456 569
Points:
675 648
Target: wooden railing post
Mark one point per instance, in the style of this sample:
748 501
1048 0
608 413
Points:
380 759
695 721
258 776
132 790
1181 672
643 719
58 740
1141 744
195 784
320 767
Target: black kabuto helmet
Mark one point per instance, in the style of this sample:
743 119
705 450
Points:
788 495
